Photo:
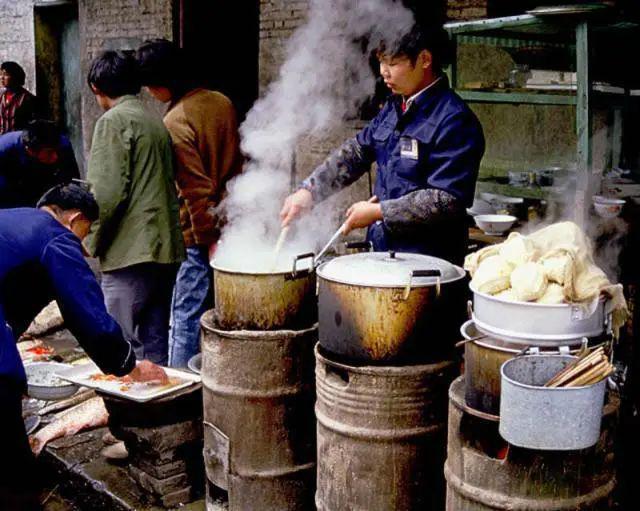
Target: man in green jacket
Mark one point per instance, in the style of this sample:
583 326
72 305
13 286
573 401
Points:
137 237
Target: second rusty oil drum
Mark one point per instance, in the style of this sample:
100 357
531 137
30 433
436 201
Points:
381 435
484 473
258 416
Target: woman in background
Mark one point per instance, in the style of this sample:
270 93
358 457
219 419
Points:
17 105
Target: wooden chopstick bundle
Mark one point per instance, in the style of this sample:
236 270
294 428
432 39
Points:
587 370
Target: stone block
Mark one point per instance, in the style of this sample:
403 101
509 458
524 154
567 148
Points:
178 497
160 438
157 486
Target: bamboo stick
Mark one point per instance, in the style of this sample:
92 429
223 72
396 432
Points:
594 375
577 363
578 370
577 366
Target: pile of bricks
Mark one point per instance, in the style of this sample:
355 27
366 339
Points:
164 440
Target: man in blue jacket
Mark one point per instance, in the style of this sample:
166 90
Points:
32 161
47 241
427 145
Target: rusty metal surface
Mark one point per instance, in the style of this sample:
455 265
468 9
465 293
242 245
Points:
482 374
258 409
525 480
369 324
264 301
381 436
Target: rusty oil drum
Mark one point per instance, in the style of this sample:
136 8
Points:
381 435
480 479
258 416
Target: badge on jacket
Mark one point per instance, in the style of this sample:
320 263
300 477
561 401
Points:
409 148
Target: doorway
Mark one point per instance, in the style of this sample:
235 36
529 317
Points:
58 74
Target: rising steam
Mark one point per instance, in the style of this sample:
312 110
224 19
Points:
325 77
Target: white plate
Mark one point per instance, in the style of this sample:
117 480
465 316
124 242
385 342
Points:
140 392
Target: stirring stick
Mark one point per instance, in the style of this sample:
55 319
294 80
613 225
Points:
279 243
340 230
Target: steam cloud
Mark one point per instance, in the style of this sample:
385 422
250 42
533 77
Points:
325 77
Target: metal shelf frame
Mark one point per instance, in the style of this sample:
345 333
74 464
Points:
576 31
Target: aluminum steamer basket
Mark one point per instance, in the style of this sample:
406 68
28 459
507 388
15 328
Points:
545 324
550 419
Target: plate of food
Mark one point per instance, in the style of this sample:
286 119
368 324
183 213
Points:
89 375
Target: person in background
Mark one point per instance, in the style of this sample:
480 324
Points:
137 237
32 161
427 144
204 130
17 105
48 240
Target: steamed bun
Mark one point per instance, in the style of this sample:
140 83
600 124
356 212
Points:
528 282
492 276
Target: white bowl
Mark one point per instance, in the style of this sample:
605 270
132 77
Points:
607 208
495 225
43 383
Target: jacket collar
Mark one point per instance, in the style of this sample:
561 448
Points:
424 99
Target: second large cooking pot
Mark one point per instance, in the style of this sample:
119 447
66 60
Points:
386 307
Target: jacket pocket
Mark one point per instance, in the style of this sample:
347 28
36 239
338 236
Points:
382 133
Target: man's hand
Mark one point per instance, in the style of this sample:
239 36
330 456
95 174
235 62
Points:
362 214
147 371
295 205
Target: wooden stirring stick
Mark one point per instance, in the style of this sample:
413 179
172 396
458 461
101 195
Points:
279 243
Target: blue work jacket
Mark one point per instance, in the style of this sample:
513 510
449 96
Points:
23 180
437 143
41 260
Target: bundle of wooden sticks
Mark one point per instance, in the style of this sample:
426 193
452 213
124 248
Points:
586 370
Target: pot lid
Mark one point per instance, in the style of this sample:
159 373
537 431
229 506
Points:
389 269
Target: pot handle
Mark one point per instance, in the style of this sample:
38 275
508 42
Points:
359 245
422 273
298 274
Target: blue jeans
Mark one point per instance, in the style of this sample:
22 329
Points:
192 296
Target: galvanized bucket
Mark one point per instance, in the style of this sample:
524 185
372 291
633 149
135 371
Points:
551 419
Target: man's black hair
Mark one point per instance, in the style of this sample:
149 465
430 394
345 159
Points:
164 64
71 196
115 74
15 70
433 38
40 133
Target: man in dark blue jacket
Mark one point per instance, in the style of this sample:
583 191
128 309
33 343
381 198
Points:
32 161
427 145
47 242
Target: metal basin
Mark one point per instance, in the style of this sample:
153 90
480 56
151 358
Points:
549 419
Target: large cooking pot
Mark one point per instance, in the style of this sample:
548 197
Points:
548 324
276 300
483 357
379 307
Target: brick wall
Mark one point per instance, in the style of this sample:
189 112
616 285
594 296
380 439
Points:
463 10
17 36
278 20
117 25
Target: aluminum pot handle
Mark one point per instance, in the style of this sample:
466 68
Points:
359 245
422 273
298 274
